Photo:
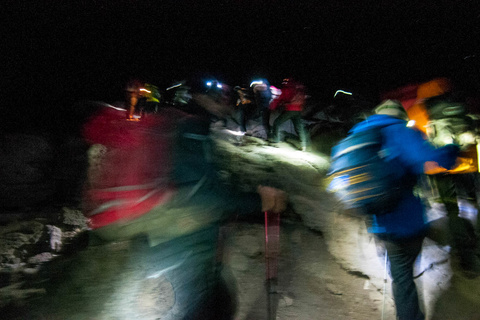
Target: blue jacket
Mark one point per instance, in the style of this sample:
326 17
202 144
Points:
406 149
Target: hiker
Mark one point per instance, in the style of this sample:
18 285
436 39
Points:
401 230
155 206
448 121
245 107
292 100
263 96
151 98
132 97
442 115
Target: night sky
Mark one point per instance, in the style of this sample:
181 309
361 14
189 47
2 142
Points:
59 52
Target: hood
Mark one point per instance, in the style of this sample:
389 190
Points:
376 120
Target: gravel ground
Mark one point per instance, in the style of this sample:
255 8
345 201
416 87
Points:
311 284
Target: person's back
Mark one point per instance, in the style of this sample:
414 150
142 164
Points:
408 151
263 96
245 107
292 96
292 99
262 93
402 230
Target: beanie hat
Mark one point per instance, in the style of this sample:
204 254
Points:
392 108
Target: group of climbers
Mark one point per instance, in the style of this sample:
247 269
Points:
259 100
263 100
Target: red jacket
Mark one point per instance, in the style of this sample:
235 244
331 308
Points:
130 175
292 97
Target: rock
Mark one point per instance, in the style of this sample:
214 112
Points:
20 233
285 301
40 258
73 217
330 287
30 271
55 238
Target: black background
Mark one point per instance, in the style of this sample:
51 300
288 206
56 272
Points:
59 52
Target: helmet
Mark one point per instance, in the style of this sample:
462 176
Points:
259 81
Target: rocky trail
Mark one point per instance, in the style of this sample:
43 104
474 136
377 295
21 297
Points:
328 266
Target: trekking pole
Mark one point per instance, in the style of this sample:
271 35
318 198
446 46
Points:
272 248
384 286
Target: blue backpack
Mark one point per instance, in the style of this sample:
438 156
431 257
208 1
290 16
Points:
361 179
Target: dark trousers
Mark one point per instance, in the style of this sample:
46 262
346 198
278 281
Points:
476 184
471 184
296 118
266 121
461 231
246 112
401 256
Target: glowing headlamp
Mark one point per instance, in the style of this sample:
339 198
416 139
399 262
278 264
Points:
342 91
256 82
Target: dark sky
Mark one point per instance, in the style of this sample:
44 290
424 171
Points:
57 52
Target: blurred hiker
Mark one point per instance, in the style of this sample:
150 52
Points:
151 96
292 101
245 107
214 97
155 206
444 118
401 230
139 99
263 96
132 96
448 122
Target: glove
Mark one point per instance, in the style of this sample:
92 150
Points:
274 200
